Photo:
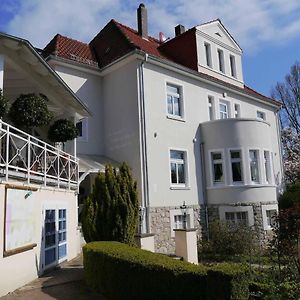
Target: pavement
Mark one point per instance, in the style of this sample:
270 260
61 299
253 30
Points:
65 282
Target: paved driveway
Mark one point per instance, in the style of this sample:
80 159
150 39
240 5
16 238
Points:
63 283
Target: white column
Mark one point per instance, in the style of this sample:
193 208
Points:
1 71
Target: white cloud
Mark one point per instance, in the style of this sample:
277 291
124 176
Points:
254 24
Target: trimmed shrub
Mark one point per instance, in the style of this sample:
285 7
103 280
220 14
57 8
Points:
110 212
120 271
3 105
62 130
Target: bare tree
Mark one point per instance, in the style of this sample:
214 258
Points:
288 93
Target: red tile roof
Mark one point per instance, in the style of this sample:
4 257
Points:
115 40
65 47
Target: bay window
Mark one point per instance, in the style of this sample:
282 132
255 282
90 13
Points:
236 165
217 167
254 165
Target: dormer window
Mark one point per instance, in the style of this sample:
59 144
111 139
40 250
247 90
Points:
208 54
232 66
221 61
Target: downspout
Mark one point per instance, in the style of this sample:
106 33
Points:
203 175
143 147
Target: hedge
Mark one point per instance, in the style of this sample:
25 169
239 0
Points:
120 271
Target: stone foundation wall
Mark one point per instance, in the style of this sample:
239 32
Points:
160 225
262 236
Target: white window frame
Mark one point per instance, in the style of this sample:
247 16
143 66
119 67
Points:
241 160
211 162
237 110
227 208
269 167
227 113
263 118
181 101
211 107
208 57
235 218
264 209
258 165
84 137
221 62
185 164
232 66
176 212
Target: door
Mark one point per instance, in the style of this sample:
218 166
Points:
54 237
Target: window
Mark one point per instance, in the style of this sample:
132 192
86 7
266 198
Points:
208 54
260 115
211 108
174 100
232 66
267 165
82 127
223 106
237 110
221 60
178 221
217 167
178 172
270 214
254 171
236 165
237 218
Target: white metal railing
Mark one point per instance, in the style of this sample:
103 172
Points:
27 158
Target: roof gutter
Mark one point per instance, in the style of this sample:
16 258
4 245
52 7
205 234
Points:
46 65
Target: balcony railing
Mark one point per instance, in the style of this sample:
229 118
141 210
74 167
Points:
25 157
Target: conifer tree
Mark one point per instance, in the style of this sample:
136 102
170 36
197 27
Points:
111 211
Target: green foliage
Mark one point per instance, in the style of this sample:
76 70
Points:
110 213
290 196
227 240
62 130
29 111
120 271
3 105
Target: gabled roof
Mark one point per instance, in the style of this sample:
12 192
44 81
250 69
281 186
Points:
115 40
68 48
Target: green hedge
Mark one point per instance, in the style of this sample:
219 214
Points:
120 271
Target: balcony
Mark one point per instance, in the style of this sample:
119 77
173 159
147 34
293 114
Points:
26 158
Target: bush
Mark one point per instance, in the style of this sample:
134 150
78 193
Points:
120 271
29 111
3 105
62 130
227 240
290 196
110 213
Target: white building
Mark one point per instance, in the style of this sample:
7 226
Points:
38 182
179 113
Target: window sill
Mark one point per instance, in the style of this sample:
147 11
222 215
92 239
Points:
171 117
236 186
174 187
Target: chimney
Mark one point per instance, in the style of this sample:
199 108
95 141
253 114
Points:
179 29
142 21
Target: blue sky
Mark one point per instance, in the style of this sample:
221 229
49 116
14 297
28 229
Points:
267 30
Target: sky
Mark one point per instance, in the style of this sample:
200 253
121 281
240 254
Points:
268 31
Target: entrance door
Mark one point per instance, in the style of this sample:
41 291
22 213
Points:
55 237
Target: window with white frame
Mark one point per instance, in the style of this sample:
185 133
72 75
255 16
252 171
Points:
221 61
223 108
208 54
267 165
237 218
236 165
254 165
82 128
174 100
217 167
237 110
211 107
176 219
271 214
232 66
261 115
178 167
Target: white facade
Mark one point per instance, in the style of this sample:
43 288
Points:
166 121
